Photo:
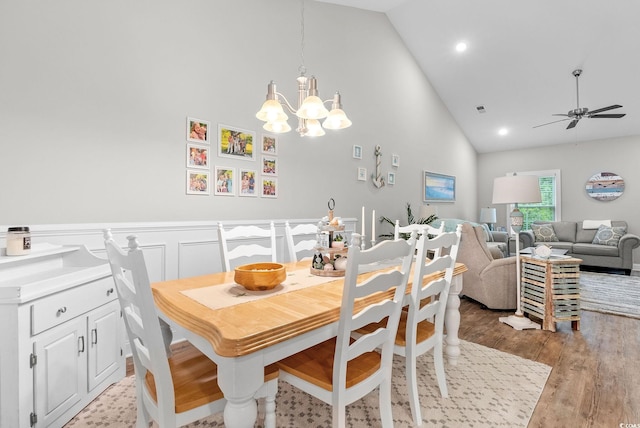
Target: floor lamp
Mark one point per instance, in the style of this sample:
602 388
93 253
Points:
515 189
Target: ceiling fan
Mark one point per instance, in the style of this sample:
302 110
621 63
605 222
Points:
579 113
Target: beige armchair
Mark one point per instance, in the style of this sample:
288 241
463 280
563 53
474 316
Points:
489 281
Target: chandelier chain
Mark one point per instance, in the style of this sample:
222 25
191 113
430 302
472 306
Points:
302 69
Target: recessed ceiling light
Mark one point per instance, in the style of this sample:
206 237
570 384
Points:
461 47
503 131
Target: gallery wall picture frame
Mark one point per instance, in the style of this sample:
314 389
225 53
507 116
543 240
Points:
236 143
198 130
198 182
197 156
438 187
248 182
357 151
362 174
395 160
269 165
391 178
269 144
269 187
225 181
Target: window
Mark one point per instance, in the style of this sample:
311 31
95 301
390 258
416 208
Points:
549 208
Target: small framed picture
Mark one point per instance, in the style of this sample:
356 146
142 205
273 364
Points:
197 183
197 156
198 130
357 151
269 165
391 178
247 182
362 174
269 187
270 144
225 180
236 143
395 160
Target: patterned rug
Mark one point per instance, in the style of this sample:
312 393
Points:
487 388
610 294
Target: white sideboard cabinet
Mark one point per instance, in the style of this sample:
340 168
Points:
61 334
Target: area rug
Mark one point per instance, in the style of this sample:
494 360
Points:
487 388
610 294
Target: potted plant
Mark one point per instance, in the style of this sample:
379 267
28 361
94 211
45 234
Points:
410 220
338 242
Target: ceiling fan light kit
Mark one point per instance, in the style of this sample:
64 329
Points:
582 112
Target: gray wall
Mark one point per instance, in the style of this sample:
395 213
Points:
95 95
577 163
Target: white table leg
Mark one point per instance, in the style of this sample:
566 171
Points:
452 321
239 379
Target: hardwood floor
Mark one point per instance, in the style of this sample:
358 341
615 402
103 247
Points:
595 381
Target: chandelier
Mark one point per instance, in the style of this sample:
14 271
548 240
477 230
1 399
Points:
310 106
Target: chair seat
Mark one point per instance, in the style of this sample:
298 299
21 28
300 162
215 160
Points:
195 379
425 330
315 365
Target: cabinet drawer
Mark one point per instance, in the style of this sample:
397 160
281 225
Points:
61 307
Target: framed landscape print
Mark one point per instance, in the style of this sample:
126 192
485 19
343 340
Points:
236 143
269 165
247 182
438 187
197 156
197 183
198 130
225 180
270 144
269 187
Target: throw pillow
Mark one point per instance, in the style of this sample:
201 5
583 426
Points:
544 233
609 235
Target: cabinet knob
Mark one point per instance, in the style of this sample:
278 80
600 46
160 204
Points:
109 291
61 311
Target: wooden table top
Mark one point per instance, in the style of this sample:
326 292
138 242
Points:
250 326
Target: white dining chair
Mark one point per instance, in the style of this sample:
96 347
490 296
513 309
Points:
299 248
420 228
342 370
239 236
421 327
171 390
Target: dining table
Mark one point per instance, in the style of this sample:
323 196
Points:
243 331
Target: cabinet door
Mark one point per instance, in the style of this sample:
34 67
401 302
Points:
60 370
104 343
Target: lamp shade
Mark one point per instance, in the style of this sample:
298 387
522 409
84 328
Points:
516 189
487 215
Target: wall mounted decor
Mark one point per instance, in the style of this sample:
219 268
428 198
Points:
269 187
269 165
605 186
197 183
377 178
357 151
248 180
236 143
391 178
269 144
198 130
395 160
438 187
197 156
362 174
225 181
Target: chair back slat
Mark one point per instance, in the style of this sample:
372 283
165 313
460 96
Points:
239 234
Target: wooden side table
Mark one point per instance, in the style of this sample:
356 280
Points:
551 290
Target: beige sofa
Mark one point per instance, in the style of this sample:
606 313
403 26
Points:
577 237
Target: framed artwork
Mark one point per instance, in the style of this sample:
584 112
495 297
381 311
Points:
197 183
247 182
198 130
269 165
395 160
225 180
269 187
605 186
438 187
362 174
357 151
197 156
391 178
236 143
269 144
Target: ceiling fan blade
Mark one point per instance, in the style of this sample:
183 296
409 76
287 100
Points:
609 116
604 109
572 124
560 114
549 123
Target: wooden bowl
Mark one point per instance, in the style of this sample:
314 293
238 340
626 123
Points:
260 276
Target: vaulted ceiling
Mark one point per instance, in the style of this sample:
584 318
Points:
519 62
